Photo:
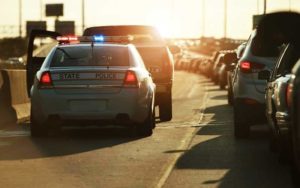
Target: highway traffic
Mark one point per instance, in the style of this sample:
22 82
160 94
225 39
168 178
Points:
122 105
196 149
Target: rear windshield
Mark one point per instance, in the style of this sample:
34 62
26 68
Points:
267 45
153 55
90 56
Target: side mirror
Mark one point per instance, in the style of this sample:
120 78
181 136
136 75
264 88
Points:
231 67
174 49
264 75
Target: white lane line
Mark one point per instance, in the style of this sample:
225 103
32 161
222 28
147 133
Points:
186 144
8 134
193 90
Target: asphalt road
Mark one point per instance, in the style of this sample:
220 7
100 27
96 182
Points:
195 149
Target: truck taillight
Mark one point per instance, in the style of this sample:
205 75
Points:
250 67
130 79
45 80
288 95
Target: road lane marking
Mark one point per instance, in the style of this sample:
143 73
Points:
8 134
185 145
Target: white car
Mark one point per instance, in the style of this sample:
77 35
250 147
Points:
92 83
157 56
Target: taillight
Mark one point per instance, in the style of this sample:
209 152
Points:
245 66
288 95
130 79
250 67
45 80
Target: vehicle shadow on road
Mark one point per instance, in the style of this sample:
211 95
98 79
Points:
66 142
213 89
234 163
220 97
206 82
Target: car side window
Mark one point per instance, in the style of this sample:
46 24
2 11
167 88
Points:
293 60
287 60
241 49
280 67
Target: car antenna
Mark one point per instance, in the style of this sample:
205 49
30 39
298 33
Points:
107 63
92 46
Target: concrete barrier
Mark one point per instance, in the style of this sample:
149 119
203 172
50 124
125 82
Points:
7 112
14 103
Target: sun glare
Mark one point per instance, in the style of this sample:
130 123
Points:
161 19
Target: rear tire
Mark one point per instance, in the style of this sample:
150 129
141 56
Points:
229 96
146 128
285 149
296 155
36 129
215 80
222 85
273 144
241 127
153 117
165 107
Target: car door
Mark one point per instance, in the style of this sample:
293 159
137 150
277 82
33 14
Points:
270 98
275 94
271 86
35 58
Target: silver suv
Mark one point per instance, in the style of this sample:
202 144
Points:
249 82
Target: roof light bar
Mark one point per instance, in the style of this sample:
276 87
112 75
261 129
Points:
95 38
66 39
99 38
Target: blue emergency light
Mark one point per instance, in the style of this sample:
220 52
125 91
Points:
99 38
95 38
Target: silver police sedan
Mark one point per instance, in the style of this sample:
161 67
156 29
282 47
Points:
92 83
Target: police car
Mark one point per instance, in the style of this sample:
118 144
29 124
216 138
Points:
157 56
90 80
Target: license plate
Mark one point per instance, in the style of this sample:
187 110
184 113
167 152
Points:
87 105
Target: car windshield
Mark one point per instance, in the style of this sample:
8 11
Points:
90 56
292 59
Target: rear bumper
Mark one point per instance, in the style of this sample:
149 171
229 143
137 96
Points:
129 105
245 87
253 111
223 77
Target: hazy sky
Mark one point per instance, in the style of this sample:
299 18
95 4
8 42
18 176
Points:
174 18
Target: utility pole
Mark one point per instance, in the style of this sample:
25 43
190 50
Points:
257 3
290 5
265 6
41 7
203 18
225 18
172 17
83 14
20 18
